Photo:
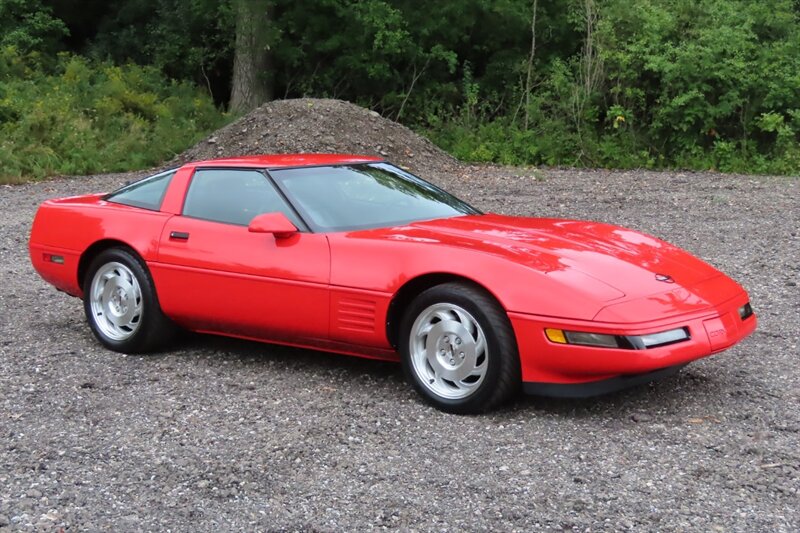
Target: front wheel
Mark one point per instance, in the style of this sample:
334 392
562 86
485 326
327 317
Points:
121 305
458 349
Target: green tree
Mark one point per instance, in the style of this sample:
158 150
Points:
252 82
700 83
695 75
29 25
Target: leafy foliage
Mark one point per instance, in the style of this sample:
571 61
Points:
29 25
689 83
81 117
696 76
653 83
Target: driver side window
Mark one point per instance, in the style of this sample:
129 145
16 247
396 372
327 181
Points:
234 197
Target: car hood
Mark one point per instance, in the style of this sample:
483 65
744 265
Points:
615 262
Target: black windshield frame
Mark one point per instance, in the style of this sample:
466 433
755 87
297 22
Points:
431 191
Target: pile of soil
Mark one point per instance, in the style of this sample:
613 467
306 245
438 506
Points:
324 126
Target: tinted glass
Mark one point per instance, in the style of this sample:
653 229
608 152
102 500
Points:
344 198
233 197
147 193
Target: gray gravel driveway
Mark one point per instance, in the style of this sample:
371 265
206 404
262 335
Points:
225 435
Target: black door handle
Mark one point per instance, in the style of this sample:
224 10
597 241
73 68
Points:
179 235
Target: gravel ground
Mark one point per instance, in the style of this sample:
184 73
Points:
220 434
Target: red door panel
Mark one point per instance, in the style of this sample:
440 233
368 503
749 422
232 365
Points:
221 278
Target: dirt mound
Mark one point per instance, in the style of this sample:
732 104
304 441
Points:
325 126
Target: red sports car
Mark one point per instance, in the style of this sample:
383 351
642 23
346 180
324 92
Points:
350 254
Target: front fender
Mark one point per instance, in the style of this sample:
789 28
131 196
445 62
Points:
385 266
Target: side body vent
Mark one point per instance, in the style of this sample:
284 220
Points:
355 314
359 317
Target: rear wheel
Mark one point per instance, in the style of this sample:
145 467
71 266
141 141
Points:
458 349
121 305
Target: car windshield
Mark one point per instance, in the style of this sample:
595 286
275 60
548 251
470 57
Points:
365 196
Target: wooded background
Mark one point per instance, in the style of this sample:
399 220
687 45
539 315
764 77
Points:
118 84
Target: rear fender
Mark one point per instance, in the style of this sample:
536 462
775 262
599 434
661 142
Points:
64 230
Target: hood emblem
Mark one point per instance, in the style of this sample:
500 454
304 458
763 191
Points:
665 278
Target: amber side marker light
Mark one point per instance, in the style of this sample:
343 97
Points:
555 335
57 259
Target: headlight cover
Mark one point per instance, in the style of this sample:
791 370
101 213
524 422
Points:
626 342
592 339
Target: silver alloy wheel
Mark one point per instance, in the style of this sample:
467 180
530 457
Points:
116 301
448 351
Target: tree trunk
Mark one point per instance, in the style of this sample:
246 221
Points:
252 61
529 77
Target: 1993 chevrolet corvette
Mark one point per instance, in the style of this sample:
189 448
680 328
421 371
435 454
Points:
353 255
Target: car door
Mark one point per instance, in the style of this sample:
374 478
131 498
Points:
213 275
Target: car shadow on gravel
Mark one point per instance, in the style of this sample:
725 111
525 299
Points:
690 386
258 353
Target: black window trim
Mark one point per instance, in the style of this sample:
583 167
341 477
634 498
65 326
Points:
342 164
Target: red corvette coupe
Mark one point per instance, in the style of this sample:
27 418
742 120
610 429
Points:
350 254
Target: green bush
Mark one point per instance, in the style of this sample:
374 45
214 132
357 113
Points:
702 84
80 117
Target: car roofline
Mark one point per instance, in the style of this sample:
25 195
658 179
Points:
274 168
282 161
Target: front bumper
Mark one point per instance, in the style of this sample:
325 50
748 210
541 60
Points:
597 388
546 364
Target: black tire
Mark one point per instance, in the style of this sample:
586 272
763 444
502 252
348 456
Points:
442 310
142 327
